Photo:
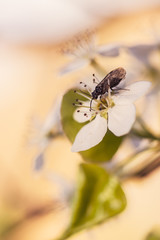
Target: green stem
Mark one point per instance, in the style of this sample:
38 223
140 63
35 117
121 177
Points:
144 170
145 132
119 169
129 159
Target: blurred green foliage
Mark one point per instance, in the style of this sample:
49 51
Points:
98 197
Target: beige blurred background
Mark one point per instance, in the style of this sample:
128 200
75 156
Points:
29 85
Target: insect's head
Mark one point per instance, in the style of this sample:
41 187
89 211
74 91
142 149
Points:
97 92
94 95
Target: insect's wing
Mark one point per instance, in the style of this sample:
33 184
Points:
105 83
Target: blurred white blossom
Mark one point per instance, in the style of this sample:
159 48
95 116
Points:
45 21
84 52
46 132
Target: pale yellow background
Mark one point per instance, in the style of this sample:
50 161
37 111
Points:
29 84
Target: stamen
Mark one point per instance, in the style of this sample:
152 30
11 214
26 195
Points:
94 81
107 102
103 103
77 104
84 112
83 95
96 78
87 87
81 105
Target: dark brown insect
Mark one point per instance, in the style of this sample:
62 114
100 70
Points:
111 80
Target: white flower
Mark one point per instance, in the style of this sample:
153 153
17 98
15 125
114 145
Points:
45 133
85 51
114 111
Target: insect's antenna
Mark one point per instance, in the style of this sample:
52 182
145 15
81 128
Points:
95 78
91 104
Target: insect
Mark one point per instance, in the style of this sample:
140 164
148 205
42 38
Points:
111 80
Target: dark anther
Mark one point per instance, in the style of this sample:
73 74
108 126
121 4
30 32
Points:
73 104
80 103
76 100
78 110
80 82
85 85
75 91
85 114
93 74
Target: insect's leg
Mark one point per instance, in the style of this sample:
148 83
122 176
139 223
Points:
116 90
122 89
109 88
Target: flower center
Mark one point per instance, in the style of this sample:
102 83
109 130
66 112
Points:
98 106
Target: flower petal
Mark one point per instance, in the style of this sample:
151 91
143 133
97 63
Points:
39 162
74 65
132 92
111 50
90 135
142 51
121 118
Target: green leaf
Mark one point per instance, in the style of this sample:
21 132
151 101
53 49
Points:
154 235
99 197
102 152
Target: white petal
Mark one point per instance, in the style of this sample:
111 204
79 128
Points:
142 51
132 92
39 162
53 120
90 135
121 118
80 117
74 65
110 50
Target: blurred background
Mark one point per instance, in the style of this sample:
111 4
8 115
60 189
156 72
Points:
32 35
